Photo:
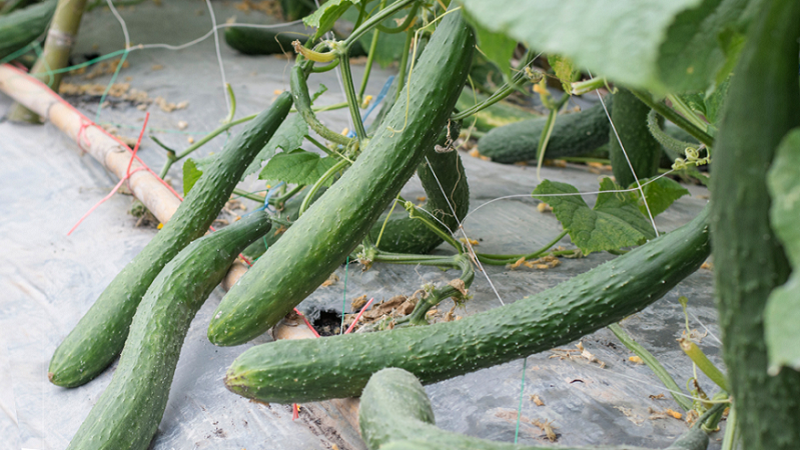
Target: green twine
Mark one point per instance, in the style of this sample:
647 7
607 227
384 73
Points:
521 395
110 83
18 53
344 296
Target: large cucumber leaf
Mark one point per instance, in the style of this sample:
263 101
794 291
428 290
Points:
497 47
324 18
297 167
782 314
664 46
614 222
659 193
289 136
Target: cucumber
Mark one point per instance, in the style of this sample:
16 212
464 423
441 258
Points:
99 336
261 41
763 104
497 115
574 134
406 235
331 229
23 26
129 410
395 413
630 122
339 366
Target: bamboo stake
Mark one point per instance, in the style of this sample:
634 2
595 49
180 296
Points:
57 47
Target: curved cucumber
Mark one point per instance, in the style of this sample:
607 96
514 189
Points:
99 336
260 41
334 225
339 366
445 184
395 413
763 104
574 134
21 27
630 122
128 413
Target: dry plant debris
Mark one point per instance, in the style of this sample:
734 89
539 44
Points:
547 427
580 353
537 400
543 263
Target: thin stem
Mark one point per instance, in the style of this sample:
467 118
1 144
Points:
248 195
352 101
731 431
544 139
410 18
414 214
375 20
302 102
501 260
327 67
233 103
373 46
583 87
341 164
674 117
319 145
687 112
652 363
282 199
698 357
419 315
401 74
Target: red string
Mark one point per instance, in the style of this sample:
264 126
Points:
295 411
352 325
308 324
81 133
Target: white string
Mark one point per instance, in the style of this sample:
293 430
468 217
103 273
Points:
567 194
466 238
705 327
625 153
122 24
211 32
228 102
664 388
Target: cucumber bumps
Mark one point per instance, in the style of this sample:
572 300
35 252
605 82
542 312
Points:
329 231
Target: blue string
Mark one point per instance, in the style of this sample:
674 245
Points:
521 394
266 206
381 96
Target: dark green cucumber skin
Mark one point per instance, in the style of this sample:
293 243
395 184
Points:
763 104
340 366
260 41
406 235
574 134
630 122
395 413
99 336
128 412
21 27
694 439
336 223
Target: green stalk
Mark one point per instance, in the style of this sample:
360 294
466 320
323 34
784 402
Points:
302 102
248 195
583 87
401 73
375 21
687 112
547 131
731 431
341 164
57 46
674 117
415 214
327 67
403 26
501 260
370 58
352 101
653 364
701 360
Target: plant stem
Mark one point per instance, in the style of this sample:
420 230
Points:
653 364
401 73
341 164
410 18
501 260
674 117
352 101
248 195
57 46
687 112
375 20
731 431
327 67
414 214
698 357
370 58
583 87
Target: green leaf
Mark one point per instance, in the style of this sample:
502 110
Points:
565 71
663 46
614 222
782 314
324 18
297 167
190 175
322 89
289 136
660 194
497 47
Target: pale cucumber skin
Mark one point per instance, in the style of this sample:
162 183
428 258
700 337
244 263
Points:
128 412
340 366
395 413
763 104
336 223
99 336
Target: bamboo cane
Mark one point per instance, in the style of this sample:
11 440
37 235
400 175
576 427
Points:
57 47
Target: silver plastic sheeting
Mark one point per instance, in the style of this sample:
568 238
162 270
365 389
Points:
49 280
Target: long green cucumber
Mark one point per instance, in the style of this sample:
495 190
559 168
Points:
340 366
395 413
574 134
99 336
445 184
260 41
128 412
21 27
630 124
336 223
763 104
